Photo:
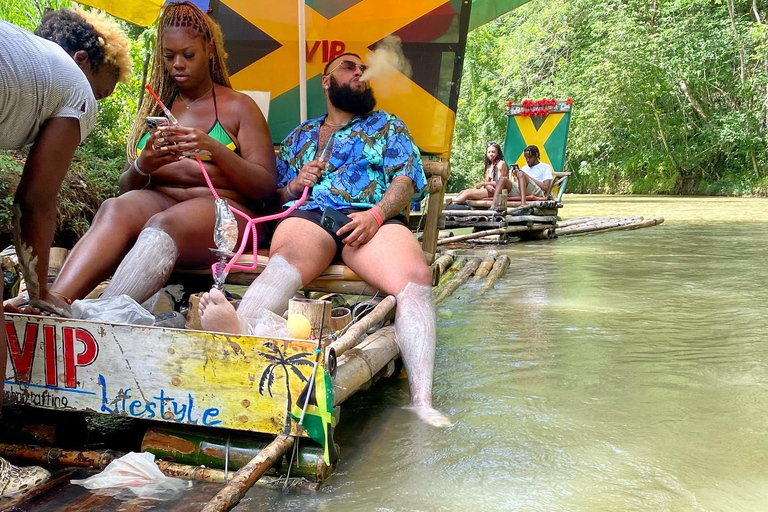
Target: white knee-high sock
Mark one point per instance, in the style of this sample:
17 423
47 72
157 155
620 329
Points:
416 331
146 267
272 289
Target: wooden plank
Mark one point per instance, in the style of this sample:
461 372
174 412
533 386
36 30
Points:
434 209
170 375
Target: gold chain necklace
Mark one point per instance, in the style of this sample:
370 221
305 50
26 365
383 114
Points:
195 101
326 123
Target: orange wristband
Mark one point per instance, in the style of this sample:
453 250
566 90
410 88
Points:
377 216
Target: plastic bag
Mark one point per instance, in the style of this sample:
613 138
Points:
225 230
266 324
117 310
137 472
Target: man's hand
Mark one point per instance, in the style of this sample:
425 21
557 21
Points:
361 230
308 176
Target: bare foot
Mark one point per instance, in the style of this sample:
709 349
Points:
431 416
217 314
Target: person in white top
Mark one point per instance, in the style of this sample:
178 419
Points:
534 178
495 169
49 84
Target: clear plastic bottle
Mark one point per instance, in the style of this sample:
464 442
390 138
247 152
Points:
225 231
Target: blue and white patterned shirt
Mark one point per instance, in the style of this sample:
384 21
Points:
363 156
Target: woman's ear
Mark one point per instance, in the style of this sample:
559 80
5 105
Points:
81 57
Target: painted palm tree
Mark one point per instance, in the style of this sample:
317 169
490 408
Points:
278 360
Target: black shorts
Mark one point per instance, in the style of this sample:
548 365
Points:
314 217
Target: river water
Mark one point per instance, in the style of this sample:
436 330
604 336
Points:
625 371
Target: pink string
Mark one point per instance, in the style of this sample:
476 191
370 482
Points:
251 223
249 227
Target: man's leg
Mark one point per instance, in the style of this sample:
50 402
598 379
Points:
510 186
394 262
300 251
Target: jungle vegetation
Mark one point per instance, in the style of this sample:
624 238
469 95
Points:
670 97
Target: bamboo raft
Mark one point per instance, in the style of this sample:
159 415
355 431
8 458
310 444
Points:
556 229
533 221
142 361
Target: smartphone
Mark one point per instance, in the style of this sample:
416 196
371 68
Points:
154 122
332 220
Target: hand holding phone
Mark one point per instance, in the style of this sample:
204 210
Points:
154 122
333 220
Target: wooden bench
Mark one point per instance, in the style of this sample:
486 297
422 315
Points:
338 278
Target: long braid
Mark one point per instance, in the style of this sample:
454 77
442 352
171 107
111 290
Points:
184 15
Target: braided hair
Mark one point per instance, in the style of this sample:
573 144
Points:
92 32
178 15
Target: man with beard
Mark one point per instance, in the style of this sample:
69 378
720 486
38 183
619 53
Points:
363 163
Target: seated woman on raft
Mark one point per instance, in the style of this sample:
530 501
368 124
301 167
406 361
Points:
495 168
165 213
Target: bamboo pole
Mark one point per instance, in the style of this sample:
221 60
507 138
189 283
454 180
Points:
246 476
444 262
100 459
502 262
357 329
642 223
531 218
499 231
471 213
486 266
458 263
448 288
359 365
45 455
599 225
488 203
572 222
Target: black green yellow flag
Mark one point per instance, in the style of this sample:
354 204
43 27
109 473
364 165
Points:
484 11
319 420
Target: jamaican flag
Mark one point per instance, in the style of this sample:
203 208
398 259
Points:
319 420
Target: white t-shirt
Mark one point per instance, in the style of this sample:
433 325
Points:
539 172
38 81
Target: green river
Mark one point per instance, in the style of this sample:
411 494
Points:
625 371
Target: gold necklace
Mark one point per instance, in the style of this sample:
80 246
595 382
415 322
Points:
195 101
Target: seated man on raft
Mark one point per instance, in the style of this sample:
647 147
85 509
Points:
364 163
534 178
165 213
495 169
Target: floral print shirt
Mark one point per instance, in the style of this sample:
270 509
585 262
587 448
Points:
363 156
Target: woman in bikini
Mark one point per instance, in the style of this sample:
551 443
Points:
495 168
165 214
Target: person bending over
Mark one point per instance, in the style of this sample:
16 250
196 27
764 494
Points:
364 163
50 84
165 213
534 178
495 168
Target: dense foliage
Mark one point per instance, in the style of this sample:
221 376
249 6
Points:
100 159
670 96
